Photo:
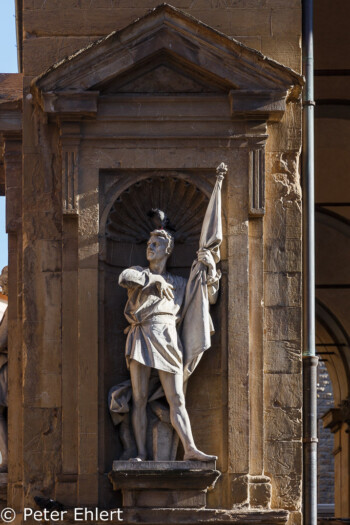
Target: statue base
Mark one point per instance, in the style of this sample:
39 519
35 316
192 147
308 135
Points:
164 484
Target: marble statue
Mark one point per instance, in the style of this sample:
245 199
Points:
169 326
3 373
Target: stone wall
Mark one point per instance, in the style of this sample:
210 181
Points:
53 29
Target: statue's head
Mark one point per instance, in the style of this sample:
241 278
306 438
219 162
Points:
4 280
159 246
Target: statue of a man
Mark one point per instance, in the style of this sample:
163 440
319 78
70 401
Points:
153 309
3 373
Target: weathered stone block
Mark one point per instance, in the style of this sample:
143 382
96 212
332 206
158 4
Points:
283 323
239 490
283 458
41 446
13 209
283 424
282 289
260 492
283 390
63 22
164 499
282 357
251 41
286 21
66 493
40 53
42 225
50 255
286 491
236 22
283 255
295 518
284 49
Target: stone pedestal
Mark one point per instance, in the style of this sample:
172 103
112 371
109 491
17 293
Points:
164 484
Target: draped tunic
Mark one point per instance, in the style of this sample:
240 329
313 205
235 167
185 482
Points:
153 339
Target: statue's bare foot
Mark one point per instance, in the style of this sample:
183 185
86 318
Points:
197 455
137 459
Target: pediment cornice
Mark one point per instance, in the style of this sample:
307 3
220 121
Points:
188 44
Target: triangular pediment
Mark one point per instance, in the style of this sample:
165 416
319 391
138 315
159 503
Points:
161 74
170 52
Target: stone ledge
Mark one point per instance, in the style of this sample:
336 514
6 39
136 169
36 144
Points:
204 516
163 465
189 516
173 475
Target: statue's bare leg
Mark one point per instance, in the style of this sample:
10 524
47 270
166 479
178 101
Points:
140 375
173 388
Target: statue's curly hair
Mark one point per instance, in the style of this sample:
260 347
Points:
165 235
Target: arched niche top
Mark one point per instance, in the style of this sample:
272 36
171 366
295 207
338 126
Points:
183 202
130 180
125 220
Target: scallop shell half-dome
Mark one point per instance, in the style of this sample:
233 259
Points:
184 204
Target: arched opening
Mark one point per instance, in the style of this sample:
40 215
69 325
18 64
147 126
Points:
333 347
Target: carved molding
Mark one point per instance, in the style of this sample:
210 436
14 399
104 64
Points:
82 103
257 86
69 180
70 136
257 182
268 105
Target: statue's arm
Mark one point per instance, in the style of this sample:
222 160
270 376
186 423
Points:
213 287
213 276
132 277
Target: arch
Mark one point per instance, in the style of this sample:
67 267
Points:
125 180
330 330
337 345
131 178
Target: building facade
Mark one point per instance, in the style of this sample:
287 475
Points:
91 128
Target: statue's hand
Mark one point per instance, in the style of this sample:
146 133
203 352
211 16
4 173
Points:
165 289
204 256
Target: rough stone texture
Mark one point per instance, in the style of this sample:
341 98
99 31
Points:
164 484
259 492
282 361
50 27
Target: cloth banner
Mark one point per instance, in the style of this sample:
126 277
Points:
196 324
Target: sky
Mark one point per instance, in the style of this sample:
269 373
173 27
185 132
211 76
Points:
8 64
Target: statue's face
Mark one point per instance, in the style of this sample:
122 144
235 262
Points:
157 248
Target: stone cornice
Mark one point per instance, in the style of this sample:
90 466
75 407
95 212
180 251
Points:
257 87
